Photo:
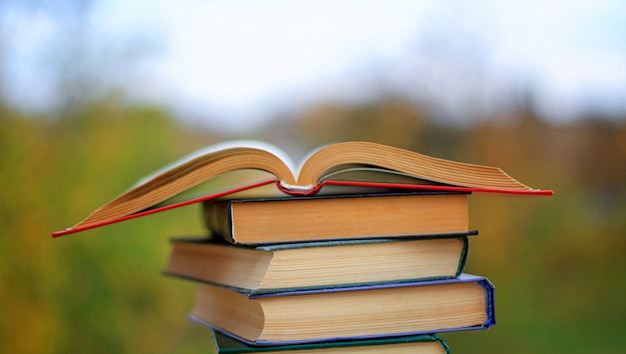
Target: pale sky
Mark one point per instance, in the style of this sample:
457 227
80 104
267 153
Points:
244 61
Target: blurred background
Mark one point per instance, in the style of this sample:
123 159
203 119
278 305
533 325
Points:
96 94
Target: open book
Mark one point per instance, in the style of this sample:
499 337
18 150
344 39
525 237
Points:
247 168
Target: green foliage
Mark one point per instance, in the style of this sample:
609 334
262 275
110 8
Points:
101 291
557 262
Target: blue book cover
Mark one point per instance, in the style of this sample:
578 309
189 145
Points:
362 312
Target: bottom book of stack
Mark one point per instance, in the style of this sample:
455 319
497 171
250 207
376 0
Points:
425 344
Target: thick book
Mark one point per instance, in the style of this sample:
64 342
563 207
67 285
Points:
229 168
370 311
279 220
282 267
418 344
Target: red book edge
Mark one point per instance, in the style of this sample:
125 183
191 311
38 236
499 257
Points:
301 193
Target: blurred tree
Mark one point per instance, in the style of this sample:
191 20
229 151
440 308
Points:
394 121
59 58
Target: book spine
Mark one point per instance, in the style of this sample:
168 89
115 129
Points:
217 219
464 256
491 303
443 343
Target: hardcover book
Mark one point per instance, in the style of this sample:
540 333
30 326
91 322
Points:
370 311
279 220
275 268
224 170
419 344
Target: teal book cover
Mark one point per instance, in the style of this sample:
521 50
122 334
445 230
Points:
345 263
426 343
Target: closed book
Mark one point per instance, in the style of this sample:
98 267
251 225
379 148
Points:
419 344
388 310
272 268
280 220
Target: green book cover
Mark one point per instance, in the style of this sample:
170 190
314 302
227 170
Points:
222 343
341 263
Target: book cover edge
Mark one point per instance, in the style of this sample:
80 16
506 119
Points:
243 347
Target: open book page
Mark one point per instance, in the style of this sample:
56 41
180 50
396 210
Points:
193 170
365 173
407 162
230 181
220 149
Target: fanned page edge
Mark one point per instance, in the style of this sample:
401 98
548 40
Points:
429 187
438 170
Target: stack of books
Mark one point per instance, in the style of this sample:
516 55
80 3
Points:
362 252
336 269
